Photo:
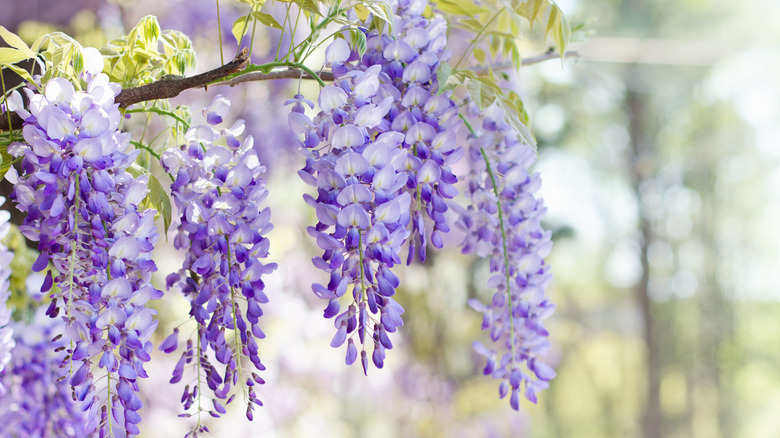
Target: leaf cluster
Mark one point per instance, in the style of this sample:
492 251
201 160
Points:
147 53
497 26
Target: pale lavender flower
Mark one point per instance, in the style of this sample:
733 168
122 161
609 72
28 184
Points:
82 209
379 154
219 192
38 403
515 243
6 332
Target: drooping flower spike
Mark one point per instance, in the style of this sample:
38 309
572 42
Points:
219 192
378 154
6 332
36 403
82 208
503 223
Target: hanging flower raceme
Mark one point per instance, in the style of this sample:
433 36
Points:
429 121
82 209
362 215
37 403
502 223
6 332
219 191
378 154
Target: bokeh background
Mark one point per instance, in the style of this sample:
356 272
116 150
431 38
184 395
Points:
659 149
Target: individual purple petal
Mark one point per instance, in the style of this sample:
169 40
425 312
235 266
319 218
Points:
331 97
399 50
354 193
59 90
417 71
59 125
218 109
354 215
351 163
80 375
125 248
90 149
348 136
337 51
171 343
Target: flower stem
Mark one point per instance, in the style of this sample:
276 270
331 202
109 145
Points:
219 32
476 38
237 335
505 247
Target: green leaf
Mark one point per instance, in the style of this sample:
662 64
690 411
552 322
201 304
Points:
149 31
483 92
239 28
460 7
456 79
475 91
383 17
558 26
309 6
357 40
78 60
14 41
379 9
479 55
7 160
362 12
443 75
515 116
156 195
532 10
266 19
177 49
160 200
10 56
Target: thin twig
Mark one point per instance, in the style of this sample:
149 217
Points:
551 54
289 73
327 76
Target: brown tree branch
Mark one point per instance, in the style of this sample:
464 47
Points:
327 76
160 89
168 88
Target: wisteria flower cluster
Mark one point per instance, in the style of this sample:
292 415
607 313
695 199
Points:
82 208
502 223
219 192
379 150
378 154
6 332
37 402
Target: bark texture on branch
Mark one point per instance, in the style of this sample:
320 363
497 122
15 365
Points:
168 88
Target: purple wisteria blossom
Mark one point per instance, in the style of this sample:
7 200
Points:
6 332
378 153
82 209
38 403
219 192
409 60
507 230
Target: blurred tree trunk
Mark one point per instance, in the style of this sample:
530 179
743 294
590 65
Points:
641 166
